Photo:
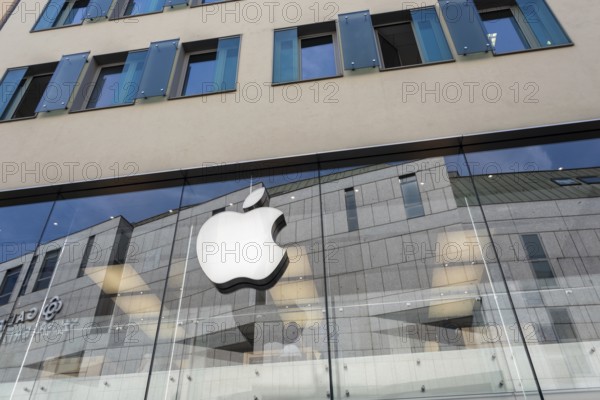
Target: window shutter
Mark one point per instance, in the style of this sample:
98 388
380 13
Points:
430 36
8 86
49 15
97 8
285 56
543 23
157 70
358 40
465 26
227 62
63 81
129 83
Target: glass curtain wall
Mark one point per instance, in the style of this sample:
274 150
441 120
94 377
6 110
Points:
456 275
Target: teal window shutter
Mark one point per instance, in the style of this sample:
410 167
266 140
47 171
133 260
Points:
358 40
465 26
129 83
8 87
157 69
97 8
63 82
543 23
285 56
227 63
49 15
430 35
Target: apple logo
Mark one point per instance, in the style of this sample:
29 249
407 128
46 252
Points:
238 250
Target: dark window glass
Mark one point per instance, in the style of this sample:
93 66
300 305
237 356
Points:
200 74
135 7
105 91
412 197
533 247
398 45
47 270
565 181
218 211
77 13
543 273
8 284
504 32
86 256
563 325
27 276
318 57
351 209
32 96
590 180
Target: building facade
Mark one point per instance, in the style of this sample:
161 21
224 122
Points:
435 165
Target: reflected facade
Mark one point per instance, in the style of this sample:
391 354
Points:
466 275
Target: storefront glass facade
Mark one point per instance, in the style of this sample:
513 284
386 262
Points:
463 275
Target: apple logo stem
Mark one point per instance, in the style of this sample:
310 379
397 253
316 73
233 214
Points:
238 250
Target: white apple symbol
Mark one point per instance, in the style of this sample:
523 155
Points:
238 250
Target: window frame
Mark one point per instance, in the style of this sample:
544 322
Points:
336 50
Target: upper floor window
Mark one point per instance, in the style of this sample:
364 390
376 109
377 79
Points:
22 90
502 26
8 284
413 204
59 13
305 53
136 7
47 270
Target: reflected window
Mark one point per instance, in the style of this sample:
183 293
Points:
413 205
47 270
590 180
27 276
563 325
8 284
537 257
351 214
565 181
86 256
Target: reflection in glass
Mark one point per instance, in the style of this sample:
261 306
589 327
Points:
504 32
318 57
200 75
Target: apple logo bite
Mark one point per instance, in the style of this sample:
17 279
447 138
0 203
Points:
238 250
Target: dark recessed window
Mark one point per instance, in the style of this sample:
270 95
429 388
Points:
8 284
219 210
47 270
565 181
105 91
398 45
27 97
590 180
504 32
318 57
535 253
72 13
563 325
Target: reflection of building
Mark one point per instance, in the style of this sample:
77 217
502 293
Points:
414 293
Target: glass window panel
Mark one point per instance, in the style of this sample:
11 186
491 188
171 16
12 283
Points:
590 180
77 13
430 35
465 26
47 270
105 91
543 23
285 57
227 63
504 33
136 7
533 247
358 41
200 74
59 89
9 88
50 14
98 8
398 45
157 69
32 96
318 57
411 197
28 274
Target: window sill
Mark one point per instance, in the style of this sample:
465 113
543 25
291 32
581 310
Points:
307 80
101 108
417 65
55 28
18 119
533 50
202 94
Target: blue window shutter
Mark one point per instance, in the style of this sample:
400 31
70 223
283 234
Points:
97 8
227 63
430 35
358 40
129 83
63 81
543 23
171 3
8 86
49 15
465 26
285 56
157 70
